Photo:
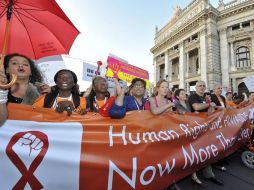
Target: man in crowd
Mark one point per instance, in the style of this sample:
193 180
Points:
229 101
217 98
201 103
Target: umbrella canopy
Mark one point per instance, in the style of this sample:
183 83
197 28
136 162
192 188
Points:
37 28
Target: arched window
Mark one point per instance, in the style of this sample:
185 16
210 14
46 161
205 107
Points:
242 88
243 57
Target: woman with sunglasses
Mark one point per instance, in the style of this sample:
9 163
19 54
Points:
135 101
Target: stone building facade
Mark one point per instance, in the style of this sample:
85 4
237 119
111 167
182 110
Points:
201 42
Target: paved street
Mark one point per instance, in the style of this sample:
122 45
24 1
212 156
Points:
237 176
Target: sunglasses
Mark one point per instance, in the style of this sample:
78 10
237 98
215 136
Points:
138 86
201 85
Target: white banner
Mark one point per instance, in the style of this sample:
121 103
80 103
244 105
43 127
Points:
40 155
49 67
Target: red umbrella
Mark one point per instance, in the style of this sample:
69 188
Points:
35 28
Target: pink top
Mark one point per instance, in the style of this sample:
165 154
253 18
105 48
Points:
156 102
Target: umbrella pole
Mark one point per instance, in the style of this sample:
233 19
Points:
6 37
6 32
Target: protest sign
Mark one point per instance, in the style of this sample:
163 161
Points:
49 67
88 71
125 71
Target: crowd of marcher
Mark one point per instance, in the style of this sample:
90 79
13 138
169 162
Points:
65 96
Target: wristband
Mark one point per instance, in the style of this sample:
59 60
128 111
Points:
3 96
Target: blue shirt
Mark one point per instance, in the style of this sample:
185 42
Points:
129 104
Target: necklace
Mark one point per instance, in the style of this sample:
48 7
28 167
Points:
96 102
60 99
138 106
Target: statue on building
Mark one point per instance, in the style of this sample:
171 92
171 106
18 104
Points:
221 3
177 11
156 29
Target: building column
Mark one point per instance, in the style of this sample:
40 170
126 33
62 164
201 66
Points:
166 72
182 61
170 70
234 86
199 62
187 64
155 68
252 53
188 88
203 57
233 61
224 56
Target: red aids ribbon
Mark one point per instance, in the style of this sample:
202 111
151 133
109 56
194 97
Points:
27 174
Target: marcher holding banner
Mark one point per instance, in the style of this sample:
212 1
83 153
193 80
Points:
182 107
124 103
98 99
230 104
198 103
248 99
98 95
3 96
65 95
251 97
159 103
24 91
217 98
220 102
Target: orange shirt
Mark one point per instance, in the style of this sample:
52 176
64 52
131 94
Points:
39 102
230 103
99 103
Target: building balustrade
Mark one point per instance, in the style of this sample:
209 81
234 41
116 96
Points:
240 31
191 42
246 68
192 74
160 62
172 52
